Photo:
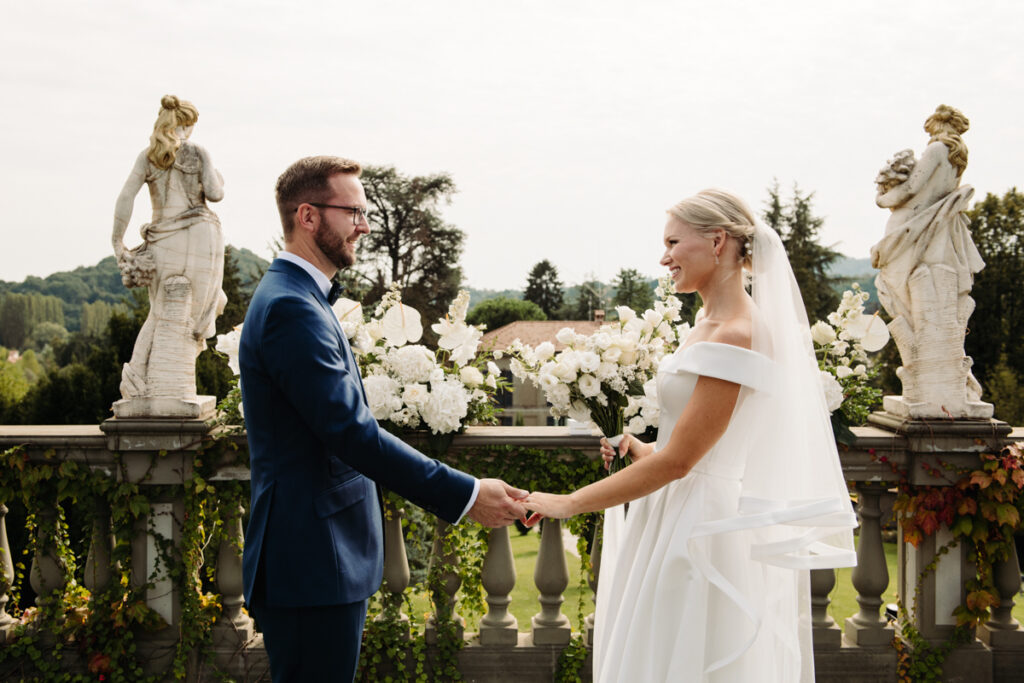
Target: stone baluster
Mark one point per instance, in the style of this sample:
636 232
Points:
48 572
396 564
1002 630
234 626
869 628
498 575
827 635
98 563
551 575
6 574
592 579
443 594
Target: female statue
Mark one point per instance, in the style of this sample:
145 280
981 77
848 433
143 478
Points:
927 261
181 260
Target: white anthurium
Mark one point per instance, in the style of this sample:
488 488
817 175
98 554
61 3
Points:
401 325
876 334
348 311
227 344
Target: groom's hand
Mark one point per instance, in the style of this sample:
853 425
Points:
497 504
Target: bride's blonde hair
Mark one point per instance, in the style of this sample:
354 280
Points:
711 209
163 143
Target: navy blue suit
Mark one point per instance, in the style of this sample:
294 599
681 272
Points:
315 537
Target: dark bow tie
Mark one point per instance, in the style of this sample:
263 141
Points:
335 293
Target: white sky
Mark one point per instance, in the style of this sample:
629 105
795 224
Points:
568 126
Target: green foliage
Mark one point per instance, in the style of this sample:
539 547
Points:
799 227
409 243
997 325
20 314
45 334
1003 390
497 312
633 290
591 295
544 288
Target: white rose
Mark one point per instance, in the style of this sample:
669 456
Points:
566 336
589 386
612 354
492 368
840 347
588 361
471 377
833 391
415 394
625 313
860 370
822 333
602 340
544 351
606 371
843 371
637 425
491 382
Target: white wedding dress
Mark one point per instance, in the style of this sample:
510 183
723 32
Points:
690 585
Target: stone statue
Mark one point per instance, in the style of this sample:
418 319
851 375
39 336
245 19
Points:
181 261
927 261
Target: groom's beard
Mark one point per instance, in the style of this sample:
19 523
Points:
334 247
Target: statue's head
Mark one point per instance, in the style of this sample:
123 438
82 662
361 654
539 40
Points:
946 125
164 142
946 120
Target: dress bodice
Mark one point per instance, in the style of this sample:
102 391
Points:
677 379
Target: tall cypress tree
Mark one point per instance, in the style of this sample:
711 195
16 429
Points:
544 288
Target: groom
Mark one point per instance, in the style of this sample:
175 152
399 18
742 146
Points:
313 551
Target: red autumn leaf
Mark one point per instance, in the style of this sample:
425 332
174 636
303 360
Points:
1000 476
929 522
99 663
967 506
1018 478
913 537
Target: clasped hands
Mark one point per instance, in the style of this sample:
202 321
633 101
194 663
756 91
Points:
501 504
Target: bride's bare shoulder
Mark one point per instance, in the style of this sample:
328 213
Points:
736 331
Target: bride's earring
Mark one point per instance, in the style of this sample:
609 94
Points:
716 258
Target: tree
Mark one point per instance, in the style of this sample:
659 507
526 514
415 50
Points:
997 325
544 288
409 243
799 227
501 310
633 290
590 296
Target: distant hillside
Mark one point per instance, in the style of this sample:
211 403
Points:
102 282
845 266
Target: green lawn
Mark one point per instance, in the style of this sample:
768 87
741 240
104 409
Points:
524 596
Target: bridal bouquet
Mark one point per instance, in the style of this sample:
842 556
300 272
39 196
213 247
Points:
409 386
842 345
608 377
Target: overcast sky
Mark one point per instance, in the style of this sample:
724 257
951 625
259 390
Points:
568 127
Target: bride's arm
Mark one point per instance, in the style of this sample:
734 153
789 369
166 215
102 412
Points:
700 426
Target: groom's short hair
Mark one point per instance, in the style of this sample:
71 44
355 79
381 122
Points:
306 181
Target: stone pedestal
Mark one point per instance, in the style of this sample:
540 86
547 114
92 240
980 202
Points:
198 408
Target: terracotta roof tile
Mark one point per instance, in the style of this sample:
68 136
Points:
533 332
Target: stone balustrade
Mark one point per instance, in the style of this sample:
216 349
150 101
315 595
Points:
857 649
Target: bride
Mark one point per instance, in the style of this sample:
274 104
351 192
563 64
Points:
706 578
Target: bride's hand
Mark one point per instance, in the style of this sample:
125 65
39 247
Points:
636 448
547 505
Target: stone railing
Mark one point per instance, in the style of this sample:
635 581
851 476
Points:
498 648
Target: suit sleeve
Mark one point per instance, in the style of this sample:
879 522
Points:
305 362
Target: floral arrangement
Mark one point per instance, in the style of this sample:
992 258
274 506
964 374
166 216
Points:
608 377
842 345
408 386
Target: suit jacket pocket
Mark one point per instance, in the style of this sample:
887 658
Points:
340 496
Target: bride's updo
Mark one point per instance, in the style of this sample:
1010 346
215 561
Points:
710 209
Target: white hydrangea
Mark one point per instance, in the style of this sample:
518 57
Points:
447 407
833 391
382 396
228 344
411 363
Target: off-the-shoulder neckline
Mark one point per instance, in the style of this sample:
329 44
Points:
684 349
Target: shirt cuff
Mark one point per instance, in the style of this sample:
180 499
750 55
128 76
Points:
472 499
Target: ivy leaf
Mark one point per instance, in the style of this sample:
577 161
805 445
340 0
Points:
963 527
980 479
1018 478
1007 514
929 522
138 505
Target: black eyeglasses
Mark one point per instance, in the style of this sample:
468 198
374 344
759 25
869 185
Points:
357 213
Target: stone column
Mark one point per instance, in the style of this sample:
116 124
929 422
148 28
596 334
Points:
234 627
48 573
593 579
396 564
550 626
498 626
98 569
869 628
827 635
6 576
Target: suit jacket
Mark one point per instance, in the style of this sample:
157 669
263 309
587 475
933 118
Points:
315 450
